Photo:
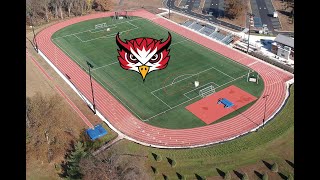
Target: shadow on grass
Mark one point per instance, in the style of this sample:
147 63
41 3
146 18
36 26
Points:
179 175
239 175
282 176
153 169
258 174
165 177
290 163
169 161
154 156
198 177
221 173
268 165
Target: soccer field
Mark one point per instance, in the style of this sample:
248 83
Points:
161 99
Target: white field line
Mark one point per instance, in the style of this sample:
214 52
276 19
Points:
110 35
223 73
161 100
191 99
77 37
132 24
94 28
187 96
182 79
180 76
103 29
104 65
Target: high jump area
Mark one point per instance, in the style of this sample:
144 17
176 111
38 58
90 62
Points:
209 109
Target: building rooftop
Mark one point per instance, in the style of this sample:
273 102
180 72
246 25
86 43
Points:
288 41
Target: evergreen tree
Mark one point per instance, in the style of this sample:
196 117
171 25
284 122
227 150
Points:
73 170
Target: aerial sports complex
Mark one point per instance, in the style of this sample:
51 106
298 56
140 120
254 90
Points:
209 93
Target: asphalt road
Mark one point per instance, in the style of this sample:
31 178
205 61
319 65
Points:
211 19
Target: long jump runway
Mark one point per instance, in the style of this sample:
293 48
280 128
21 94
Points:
123 121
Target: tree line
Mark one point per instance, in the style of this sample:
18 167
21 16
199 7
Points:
42 11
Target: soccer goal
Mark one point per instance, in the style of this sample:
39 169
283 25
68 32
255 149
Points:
206 91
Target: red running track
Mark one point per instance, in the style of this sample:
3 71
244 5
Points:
141 132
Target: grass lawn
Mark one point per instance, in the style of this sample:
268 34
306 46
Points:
168 90
274 143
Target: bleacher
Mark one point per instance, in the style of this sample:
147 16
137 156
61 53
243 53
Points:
209 31
196 26
216 35
187 23
228 39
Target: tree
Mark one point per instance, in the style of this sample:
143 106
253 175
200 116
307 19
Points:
45 4
103 5
69 4
234 8
274 167
93 168
73 160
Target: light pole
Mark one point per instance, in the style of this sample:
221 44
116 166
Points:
265 108
34 35
169 7
250 15
94 106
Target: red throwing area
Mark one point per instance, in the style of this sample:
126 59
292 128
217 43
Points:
208 109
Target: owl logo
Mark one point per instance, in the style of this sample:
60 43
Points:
143 55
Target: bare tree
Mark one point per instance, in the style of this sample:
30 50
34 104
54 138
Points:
103 5
69 4
234 8
57 4
44 4
95 169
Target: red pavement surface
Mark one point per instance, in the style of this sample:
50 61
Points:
208 110
123 120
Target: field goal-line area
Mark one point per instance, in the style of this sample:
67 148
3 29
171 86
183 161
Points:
98 33
192 92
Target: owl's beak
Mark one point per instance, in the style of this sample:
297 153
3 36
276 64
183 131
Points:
143 71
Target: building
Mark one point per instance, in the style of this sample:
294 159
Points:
283 46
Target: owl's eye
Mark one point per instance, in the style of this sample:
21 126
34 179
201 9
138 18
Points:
132 58
155 58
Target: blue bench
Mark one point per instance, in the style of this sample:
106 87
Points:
225 102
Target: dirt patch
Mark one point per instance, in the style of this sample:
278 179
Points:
283 15
176 18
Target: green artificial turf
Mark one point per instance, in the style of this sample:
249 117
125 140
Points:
161 99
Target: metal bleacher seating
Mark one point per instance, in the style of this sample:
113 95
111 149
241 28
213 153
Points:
187 23
195 26
208 30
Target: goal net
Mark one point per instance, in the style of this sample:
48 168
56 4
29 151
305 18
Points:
206 91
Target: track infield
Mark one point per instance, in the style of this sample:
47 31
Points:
120 119
208 109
